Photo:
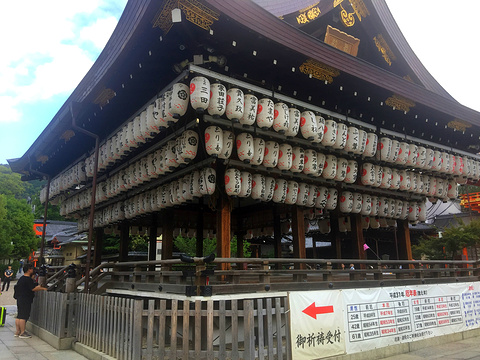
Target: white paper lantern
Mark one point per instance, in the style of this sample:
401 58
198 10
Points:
158 113
246 181
412 155
312 195
404 180
368 174
413 211
386 178
270 157
330 167
308 125
232 182
445 163
371 145
383 207
321 199
320 129
200 93
269 188
189 145
341 138
375 206
429 154
179 103
281 118
345 202
378 175
366 204
258 187
218 100
285 156
452 189
213 140
207 181
292 193
341 171
259 151
362 142
425 184
357 203
166 106
310 162
298 159
280 193
170 156
459 166
249 110
294 122
227 148
395 185
329 133
331 199
353 139
195 184
385 149
265 113
422 212
320 163
235 104
395 151
302 196
403 153
422 157
245 147
437 161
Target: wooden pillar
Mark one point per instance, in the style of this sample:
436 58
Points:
223 228
199 243
124 240
358 241
152 241
167 234
298 231
277 233
97 247
404 245
335 236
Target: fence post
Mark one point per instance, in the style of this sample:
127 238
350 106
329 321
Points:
137 329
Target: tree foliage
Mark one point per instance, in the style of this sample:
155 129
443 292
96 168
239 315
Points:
188 246
451 242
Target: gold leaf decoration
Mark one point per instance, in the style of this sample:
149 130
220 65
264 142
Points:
104 97
67 135
42 158
198 14
308 14
384 49
163 18
401 103
319 70
459 125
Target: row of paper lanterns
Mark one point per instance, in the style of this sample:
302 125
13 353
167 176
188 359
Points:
248 109
194 185
175 152
65 181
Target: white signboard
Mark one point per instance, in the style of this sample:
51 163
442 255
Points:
379 317
317 324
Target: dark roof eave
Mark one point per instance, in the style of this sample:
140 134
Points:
264 23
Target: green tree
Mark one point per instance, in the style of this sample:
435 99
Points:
188 246
451 242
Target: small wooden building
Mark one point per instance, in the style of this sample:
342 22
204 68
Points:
255 118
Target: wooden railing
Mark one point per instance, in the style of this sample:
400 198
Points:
274 274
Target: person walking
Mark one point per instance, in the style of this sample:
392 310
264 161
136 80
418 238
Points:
7 277
24 293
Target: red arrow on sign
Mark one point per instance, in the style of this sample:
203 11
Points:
313 310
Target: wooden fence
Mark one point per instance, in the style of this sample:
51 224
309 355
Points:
225 327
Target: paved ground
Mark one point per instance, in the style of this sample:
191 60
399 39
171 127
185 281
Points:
463 349
32 349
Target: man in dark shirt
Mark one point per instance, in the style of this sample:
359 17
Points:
24 292
8 274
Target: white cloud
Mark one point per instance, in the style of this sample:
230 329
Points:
48 49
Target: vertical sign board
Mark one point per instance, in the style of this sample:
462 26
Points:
372 318
316 324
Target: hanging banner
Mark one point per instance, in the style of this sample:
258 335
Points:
316 324
379 317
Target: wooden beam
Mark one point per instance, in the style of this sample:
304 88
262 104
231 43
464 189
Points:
335 236
199 237
358 240
277 235
124 241
167 234
404 244
152 240
298 232
97 247
223 229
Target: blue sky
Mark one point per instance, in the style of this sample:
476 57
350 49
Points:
47 48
